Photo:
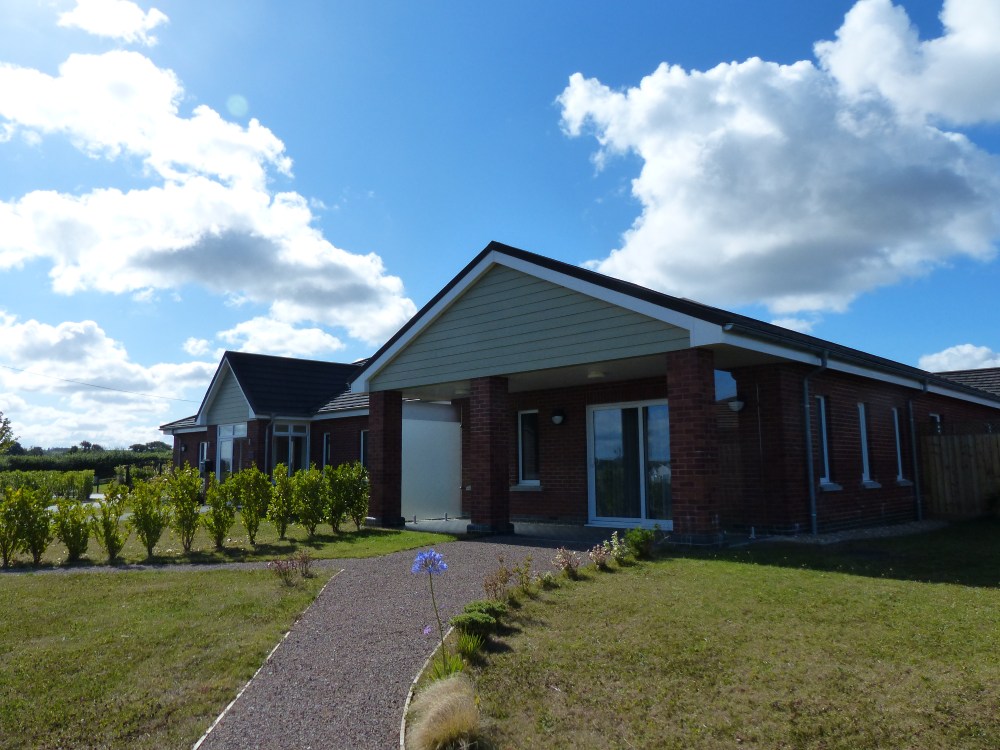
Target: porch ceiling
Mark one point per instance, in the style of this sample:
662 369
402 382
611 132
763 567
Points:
606 371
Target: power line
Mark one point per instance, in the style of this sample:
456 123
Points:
102 387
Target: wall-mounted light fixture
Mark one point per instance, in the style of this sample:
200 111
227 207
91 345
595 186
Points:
558 416
184 449
736 405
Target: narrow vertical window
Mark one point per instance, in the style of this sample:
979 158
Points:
364 448
866 470
326 449
202 457
899 445
935 423
824 439
527 447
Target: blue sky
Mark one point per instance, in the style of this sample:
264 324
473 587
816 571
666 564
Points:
178 178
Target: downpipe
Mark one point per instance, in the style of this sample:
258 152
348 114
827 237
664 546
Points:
810 468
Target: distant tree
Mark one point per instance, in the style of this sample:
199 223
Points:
95 448
157 445
74 449
7 437
86 445
138 447
16 449
36 450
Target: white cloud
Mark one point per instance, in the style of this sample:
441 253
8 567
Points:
197 347
775 184
267 336
209 218
878 52
46 399
960 357
115 19
795 324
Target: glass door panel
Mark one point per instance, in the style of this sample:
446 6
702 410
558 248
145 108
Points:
656 429
631 462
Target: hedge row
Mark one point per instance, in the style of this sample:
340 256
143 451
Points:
101 463
52 484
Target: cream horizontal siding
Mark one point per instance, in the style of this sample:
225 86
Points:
511 322
229 405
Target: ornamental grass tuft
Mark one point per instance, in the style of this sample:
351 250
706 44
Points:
444 714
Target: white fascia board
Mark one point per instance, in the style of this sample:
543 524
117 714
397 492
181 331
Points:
184 430
340 414
939 391
363 383
213 389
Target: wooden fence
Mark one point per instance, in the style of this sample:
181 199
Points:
960 474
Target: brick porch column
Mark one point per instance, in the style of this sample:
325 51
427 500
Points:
489 417
385 457
694 445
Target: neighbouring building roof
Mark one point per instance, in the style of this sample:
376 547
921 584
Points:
286 386
346 402
986 379
181 424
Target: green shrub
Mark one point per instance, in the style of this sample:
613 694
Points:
251 492
310 491
491 607
446 666
110 532
282 506
184 491
10 526
220 515
355 486
336 503
150 513
72 522
35 521
477 623
469 645
640 542
52 484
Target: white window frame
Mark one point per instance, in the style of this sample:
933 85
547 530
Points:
326 450
594 519
899 445
824 439
936 419
363 450
288 430
520 449
866 467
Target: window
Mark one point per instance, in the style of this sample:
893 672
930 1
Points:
229 448
629 455
291 446
899 445
202 457
935 423
824 440
326 449
527 447
364 448
866 470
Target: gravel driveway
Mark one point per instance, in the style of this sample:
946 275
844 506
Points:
340 678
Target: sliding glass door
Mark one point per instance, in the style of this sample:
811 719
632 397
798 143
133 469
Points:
629 451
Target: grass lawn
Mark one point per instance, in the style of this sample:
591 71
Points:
324 545
138 660
875 644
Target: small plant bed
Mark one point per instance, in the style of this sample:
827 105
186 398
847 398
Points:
324 545
139 661
846 646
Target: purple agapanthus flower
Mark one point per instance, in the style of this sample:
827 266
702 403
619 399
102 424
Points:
429 562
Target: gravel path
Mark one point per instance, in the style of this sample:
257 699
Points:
340 678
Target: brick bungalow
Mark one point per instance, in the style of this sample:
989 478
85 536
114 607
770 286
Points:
592 400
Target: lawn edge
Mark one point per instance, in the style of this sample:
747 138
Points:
243 689
409 693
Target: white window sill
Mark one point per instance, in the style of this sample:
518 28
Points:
904 483
830 487
868 484
526 488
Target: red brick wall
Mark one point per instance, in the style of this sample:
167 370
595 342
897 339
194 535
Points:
385 446
345 440
773 491
189 441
